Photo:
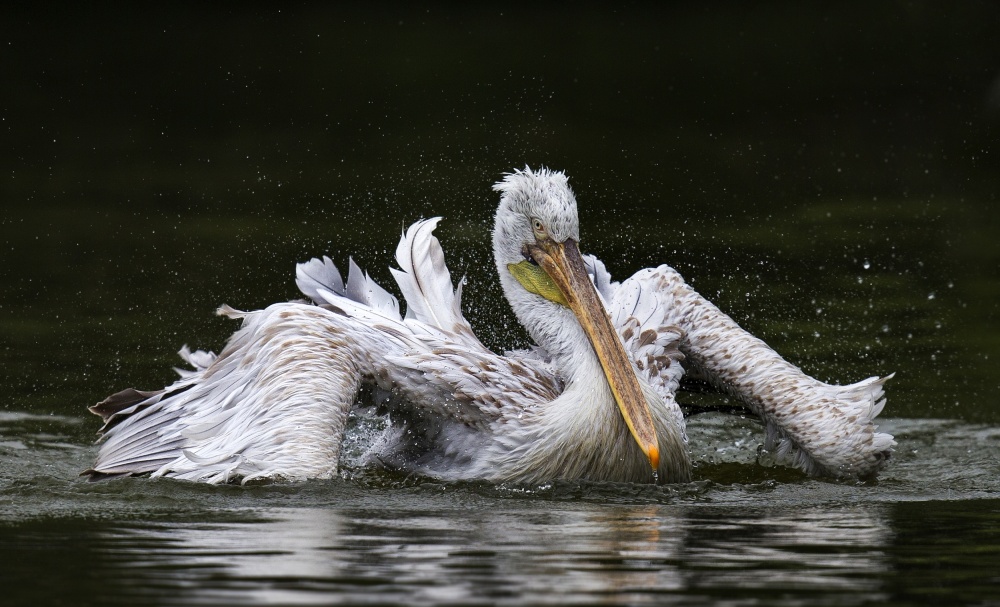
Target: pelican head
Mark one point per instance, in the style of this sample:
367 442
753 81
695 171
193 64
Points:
536 246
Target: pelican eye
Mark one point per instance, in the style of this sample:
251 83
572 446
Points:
537 226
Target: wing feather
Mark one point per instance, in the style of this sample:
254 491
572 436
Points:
236 414
274 402
817 427
601 277
316 274
638 313
425 283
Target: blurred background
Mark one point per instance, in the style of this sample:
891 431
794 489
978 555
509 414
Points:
826 173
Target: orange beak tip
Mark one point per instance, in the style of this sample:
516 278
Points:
653 453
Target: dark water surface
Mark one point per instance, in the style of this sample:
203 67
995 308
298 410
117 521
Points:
830 179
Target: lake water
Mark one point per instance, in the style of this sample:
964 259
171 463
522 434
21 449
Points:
830 180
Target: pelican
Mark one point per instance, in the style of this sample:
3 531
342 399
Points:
592 399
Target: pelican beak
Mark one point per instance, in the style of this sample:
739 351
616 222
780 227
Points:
564 265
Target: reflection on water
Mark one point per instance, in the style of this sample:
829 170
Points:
816 548
620 554
743 534
231 561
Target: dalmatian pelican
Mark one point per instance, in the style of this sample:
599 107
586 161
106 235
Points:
592 399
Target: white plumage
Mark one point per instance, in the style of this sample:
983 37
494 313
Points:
582 405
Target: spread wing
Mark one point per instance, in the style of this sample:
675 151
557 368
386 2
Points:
275 401
454 393
652 343
817 427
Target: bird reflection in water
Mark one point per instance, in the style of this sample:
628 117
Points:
432 552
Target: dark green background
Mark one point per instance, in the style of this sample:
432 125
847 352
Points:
826 172
158 161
